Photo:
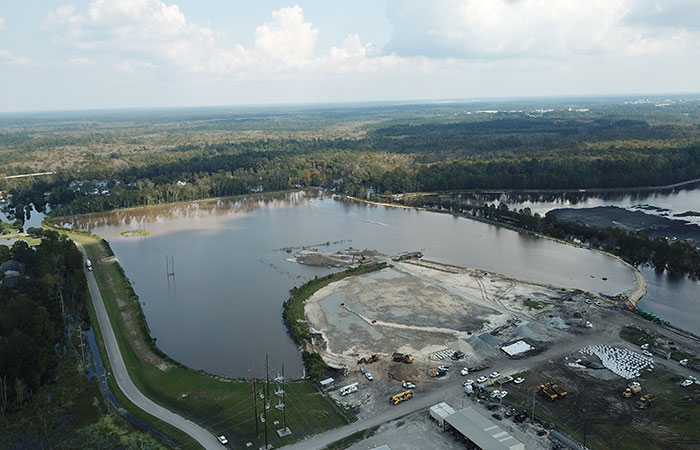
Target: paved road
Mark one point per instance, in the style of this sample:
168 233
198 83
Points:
199 434
607 333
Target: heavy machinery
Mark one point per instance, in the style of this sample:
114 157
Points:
630 391
400 357
546 390
402 397
369 360
559 390
477 368
437 372
645 401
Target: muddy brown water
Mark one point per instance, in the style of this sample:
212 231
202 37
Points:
221 312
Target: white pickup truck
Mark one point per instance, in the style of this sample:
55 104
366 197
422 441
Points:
88 264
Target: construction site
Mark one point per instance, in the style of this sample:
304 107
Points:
555 362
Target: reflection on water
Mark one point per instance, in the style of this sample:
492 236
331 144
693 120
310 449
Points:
221 311
664 202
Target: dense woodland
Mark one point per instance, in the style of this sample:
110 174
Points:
360 151
34 313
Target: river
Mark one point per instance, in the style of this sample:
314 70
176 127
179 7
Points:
221 312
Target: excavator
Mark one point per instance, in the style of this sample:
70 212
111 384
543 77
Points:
370 360
645 401
400 357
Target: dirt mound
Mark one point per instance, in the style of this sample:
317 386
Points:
404 372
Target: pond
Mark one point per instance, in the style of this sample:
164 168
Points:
221 311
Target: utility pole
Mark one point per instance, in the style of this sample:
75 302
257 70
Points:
255 404
284 402
533 405
267 380
82 345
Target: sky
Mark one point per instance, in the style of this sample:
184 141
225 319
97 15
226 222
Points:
101 54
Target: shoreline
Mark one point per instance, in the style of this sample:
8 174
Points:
633 295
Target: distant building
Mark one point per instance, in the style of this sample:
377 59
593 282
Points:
11 268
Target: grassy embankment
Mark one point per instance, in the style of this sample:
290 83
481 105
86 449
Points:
220 405
296 321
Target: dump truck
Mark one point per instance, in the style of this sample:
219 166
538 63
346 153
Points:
434 372
400 357
477 368
369 360
630 391
546 390
402 397
645 401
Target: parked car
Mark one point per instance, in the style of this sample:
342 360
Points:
518 380
503 394
505 380
481 379
495 374
444 368
468 382
464 372
496 394
222 439
369 376
408 385
497 416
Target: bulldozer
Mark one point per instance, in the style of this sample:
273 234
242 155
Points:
402 397
646 401
546 390
400 357
630 391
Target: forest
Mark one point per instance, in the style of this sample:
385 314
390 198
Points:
34 313
118 160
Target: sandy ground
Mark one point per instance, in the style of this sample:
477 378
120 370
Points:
421 307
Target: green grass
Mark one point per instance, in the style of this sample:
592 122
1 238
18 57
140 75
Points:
30 240
135 233
220 405
534 304
352 439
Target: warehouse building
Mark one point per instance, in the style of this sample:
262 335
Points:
476 430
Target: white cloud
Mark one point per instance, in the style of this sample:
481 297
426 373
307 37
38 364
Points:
147 34
2 23
10 59
497 29
130 66
80 62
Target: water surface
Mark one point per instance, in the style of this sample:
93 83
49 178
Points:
221 312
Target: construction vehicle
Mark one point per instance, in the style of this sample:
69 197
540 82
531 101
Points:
645 401
402 397
436 373
559 390
400 357
369 360
546 390
630 391
477 368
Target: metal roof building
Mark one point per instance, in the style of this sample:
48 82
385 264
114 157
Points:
480 431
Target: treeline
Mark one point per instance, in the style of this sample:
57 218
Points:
51 284
634 247
613 169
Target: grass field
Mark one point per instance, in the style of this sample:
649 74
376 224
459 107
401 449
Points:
220 405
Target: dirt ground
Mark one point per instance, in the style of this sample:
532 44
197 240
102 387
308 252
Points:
421 307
